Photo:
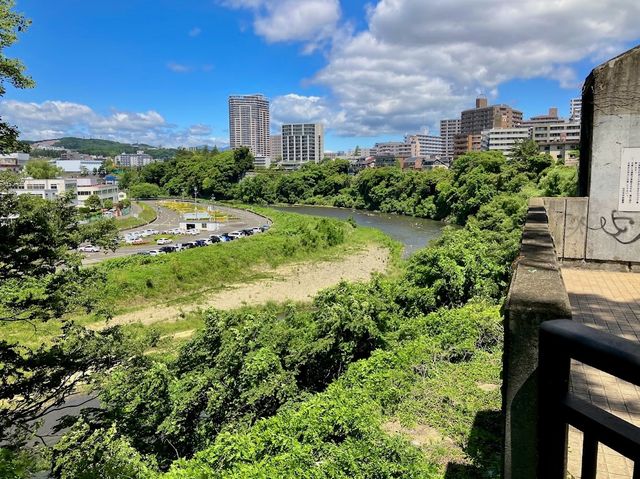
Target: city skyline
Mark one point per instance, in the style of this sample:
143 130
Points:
342 64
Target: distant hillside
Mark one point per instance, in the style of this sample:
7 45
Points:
96 146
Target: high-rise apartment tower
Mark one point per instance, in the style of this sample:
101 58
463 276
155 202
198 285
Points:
249 123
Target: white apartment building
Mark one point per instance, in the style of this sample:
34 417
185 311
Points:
575 109
448 131
503 139
395 149
425 145
560 131
133 160
302 143
249 123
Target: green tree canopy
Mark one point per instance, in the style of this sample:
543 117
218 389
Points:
42 169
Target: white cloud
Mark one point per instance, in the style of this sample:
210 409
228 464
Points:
195 31
54 119
419 61
178 67
311 21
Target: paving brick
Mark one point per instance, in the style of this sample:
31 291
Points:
608 301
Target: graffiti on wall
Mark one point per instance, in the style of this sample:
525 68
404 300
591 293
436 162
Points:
620 228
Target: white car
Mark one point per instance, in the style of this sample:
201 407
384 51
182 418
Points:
236 234
162 241
89 248
193 232
155 252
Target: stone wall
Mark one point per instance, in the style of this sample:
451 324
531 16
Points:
536 294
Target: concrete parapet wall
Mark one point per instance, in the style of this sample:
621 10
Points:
536 294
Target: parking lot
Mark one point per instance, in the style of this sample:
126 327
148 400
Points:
169 221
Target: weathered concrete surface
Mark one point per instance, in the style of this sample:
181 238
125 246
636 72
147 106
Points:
536 294
568 226
611 129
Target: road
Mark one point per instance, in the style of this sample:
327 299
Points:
168 219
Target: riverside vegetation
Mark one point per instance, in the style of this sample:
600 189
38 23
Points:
396 377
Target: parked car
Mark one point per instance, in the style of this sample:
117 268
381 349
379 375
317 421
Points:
256 230
155 252
187 245
265 227
202 242
215 238
236 235
143 253
134 241
169 249
164 241
193 232
87 248
247 232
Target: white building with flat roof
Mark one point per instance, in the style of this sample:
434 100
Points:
503 139
425 145
78 166
133 160
302 143
575 109
48 189
89 186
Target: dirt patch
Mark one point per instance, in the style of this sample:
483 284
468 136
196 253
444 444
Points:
420 435
297 282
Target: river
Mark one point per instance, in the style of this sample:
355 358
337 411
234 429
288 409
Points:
413 233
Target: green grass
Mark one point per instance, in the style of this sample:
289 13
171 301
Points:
147 215
135 282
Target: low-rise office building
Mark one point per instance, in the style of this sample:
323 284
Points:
48 189
133 160
89 186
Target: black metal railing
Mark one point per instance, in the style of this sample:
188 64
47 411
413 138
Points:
560 342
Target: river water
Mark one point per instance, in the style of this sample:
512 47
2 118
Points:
413 233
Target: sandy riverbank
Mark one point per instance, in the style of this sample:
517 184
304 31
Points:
297 282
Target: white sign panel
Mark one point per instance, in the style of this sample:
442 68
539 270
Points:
629 197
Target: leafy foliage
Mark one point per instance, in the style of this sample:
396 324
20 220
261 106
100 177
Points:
42 169
111 148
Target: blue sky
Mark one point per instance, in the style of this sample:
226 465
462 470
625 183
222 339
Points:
160 71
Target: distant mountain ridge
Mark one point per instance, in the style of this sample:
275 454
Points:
96 146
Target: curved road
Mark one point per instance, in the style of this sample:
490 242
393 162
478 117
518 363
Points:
168 219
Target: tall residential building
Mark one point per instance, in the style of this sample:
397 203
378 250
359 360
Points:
448 131
554 135
276 147
504 139
302 143
575 109
425 145
485 117
249 123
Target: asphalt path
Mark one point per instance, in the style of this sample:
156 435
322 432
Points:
168 219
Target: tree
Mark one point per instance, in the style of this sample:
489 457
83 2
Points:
107 204
93 202
11 70
528 159
41 279
145 190
42 169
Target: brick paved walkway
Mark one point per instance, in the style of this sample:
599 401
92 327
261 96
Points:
608 301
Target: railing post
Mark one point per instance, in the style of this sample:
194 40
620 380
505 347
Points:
553 386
